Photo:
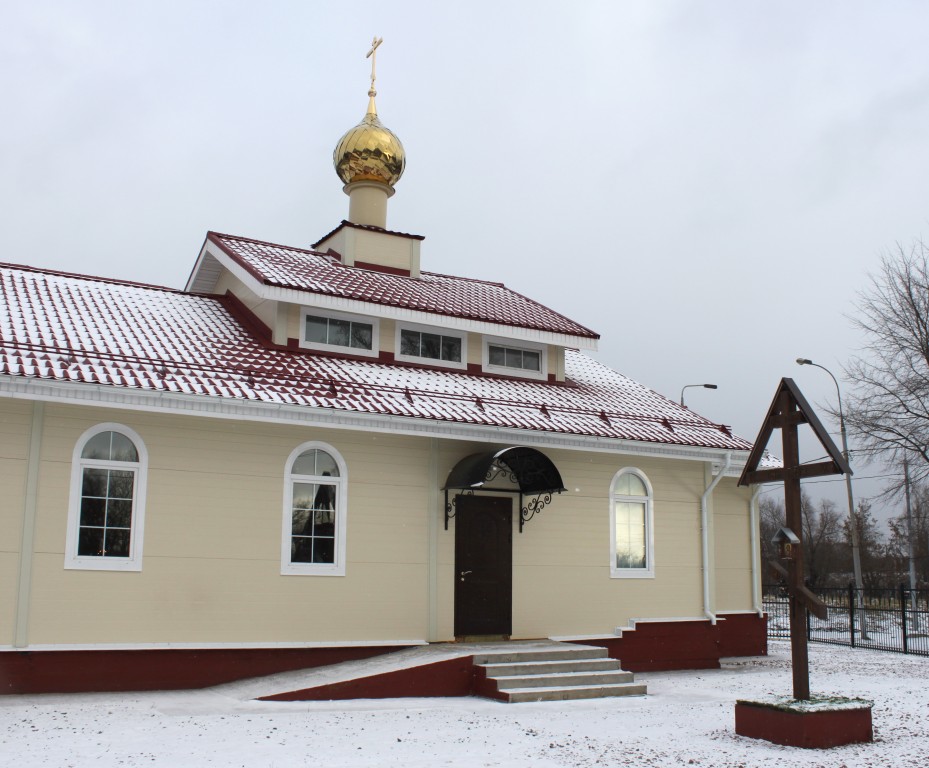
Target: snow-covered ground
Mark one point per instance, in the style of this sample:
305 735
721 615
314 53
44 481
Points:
687 719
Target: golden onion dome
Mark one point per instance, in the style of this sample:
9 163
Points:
369 152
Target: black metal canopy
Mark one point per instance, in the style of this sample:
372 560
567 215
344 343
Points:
530 470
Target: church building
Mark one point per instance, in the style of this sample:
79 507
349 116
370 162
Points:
323 452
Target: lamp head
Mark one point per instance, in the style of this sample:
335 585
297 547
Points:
804 361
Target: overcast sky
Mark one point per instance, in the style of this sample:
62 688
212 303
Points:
705 184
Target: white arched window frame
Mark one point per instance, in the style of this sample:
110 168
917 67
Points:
632 532
105 491
300 538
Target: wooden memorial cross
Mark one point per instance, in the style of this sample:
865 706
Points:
788 410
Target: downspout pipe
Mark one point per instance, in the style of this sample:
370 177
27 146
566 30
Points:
756 551
705 535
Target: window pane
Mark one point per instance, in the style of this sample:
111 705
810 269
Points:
316 329
316 463
409 343
630 485
324 550
451 349
362 335
514 358
98 447
301 550
630 534
432 346
532 361
119 513
325 465
120 484
117 543
94 482
93 511
497 356
339 332
90 542
305 463
325 500
301 523
304 494
122 449
324 522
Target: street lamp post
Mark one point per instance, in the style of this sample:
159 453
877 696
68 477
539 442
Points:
688 386
853 522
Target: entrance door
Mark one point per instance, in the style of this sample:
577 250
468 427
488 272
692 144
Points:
483 566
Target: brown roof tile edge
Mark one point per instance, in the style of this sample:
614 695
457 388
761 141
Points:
367 228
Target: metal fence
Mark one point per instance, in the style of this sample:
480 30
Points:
881 619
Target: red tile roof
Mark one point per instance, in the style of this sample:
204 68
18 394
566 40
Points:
303 270
70 328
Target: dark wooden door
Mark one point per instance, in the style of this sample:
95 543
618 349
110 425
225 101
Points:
483 566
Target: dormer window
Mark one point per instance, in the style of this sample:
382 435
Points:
421 344
338 331
524 359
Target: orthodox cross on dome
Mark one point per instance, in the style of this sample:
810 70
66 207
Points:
372 54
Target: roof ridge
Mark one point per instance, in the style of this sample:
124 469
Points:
93 278
463 277
368 228
243 239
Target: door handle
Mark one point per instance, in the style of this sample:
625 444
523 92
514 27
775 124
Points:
463 574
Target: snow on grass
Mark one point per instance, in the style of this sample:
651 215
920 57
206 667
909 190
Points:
687 719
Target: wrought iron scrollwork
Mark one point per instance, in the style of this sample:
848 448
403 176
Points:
531 509
450 505
498 471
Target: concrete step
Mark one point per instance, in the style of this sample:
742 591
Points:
550 667
566 678
555 674
566 692
553 654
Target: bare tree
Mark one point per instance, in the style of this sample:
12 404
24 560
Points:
823 544
888 408
822 529
898 549
771 514
871 543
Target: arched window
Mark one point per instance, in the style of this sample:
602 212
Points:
107 506
631 526
313 540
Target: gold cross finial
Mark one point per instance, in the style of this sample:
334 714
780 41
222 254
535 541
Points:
372 54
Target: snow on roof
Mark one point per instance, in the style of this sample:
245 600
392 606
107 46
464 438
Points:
71 328
303 270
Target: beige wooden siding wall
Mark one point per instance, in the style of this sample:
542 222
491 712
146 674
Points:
211 566
211 561
15 427
733 547
579 596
